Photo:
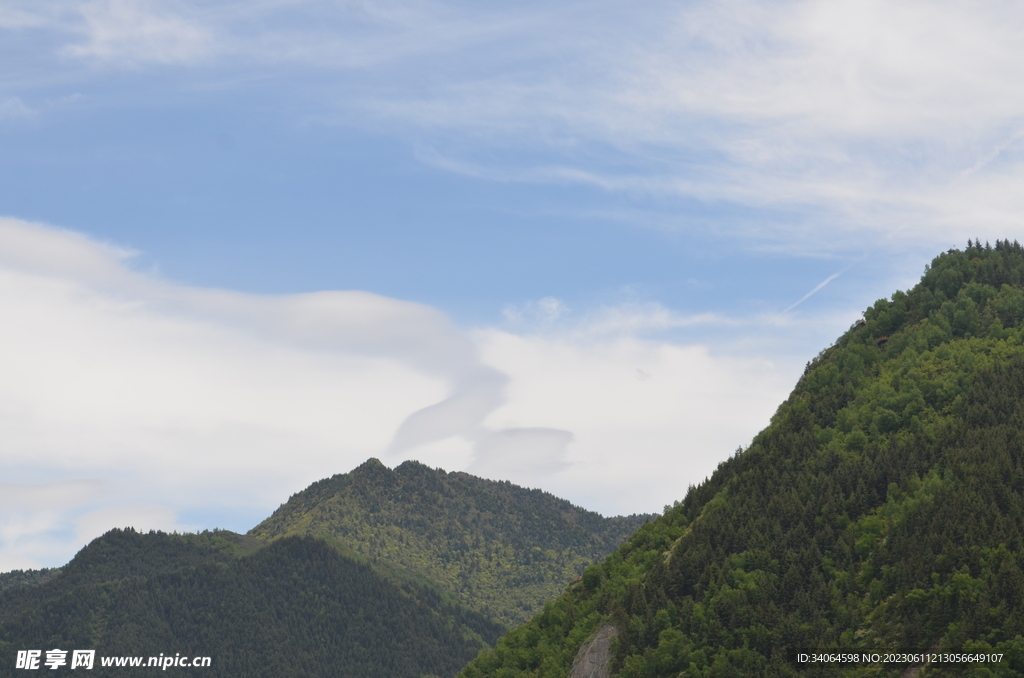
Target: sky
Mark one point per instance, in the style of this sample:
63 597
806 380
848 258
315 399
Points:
583 246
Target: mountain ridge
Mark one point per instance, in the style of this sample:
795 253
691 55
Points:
474 529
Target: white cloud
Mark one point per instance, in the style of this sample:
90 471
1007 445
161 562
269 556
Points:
141 401
456 415
137 32
546 311
27 14
203 398
34 520
13 108
521 454
43 524
142 517
645 418
59 494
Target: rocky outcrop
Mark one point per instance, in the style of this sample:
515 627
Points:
595 657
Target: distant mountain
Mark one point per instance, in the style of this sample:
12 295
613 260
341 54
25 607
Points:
371 574
292 608
881 509
499 548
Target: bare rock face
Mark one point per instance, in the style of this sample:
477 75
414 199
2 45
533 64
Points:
595 657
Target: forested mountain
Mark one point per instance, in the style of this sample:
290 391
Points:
500 548
292 608
881 509
363 575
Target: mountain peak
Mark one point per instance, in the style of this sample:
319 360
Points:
464 532
370 464
372 468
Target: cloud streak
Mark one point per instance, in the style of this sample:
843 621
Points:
812 292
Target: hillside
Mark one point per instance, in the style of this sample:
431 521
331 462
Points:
499 548
882 508
292 608
363 575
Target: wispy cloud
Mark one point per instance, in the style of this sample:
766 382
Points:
862 116
136 32
13 108
894 120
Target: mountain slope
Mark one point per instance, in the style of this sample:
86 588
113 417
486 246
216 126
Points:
882 508
499 548
293 608
338 582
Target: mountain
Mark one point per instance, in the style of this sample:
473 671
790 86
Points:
371 574
881 509
296 607
499 548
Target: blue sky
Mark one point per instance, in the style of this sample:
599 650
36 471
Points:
246 245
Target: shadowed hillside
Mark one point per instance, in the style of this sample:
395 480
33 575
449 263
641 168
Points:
293 608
